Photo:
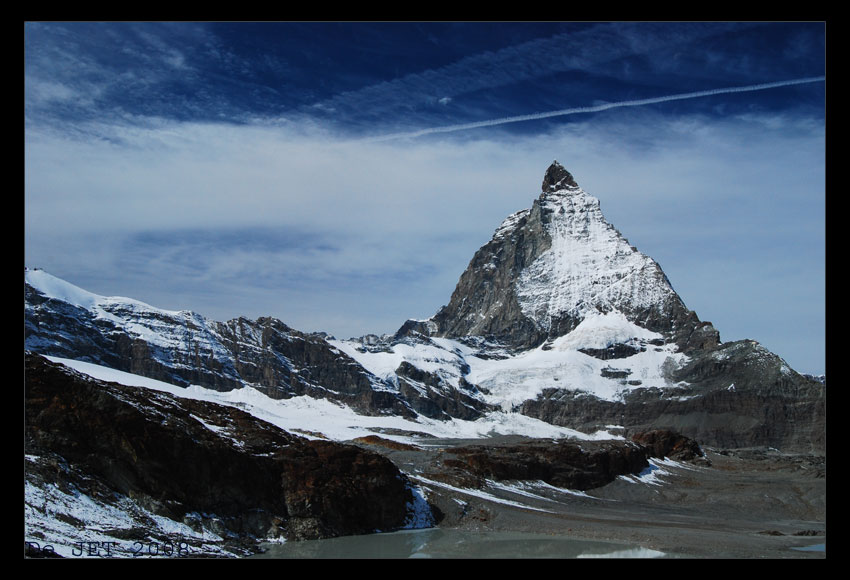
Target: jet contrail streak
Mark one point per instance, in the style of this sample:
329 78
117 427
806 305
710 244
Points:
596 108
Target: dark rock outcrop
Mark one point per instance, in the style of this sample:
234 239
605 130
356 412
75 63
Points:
429 395
484 301
557 177
567 464
613 352
664 443
188 459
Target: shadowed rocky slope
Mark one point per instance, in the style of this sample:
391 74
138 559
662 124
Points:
194 461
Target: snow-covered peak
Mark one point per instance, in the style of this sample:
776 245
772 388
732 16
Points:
548 267
589 267
54 287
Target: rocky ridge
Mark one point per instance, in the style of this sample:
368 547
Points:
184 348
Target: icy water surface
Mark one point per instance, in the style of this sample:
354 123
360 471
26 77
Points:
437 543
813 548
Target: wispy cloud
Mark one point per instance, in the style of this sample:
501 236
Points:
598 108
580 50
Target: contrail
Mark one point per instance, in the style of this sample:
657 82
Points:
597 108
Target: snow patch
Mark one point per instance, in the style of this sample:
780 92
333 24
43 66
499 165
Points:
419 512
480 494
74 524
601 330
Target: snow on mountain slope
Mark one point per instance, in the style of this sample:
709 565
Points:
61 290
589 266
599 331
171 330
443 357
514 377
308 416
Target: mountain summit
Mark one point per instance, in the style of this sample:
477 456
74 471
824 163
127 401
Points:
549 267
556 177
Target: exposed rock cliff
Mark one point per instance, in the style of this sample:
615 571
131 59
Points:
738 395
564 464
200 463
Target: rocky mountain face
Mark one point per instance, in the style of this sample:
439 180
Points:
737 395
205 467
546 268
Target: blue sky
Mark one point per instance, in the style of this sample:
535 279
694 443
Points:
340 176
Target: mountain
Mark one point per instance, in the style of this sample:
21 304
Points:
549 267
184 348
558 317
